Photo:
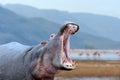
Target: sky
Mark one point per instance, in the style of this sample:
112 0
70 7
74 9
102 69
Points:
103 7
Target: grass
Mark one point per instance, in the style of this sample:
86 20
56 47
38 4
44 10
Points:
93 69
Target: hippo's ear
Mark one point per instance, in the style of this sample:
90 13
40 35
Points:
43 43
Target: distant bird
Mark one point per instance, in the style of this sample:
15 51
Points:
96 54
80 54
87 55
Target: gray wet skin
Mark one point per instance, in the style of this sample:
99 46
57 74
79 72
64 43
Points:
41 62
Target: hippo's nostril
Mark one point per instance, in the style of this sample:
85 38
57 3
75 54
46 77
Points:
67 65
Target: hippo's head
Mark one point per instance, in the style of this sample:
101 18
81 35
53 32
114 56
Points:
58 48
55 55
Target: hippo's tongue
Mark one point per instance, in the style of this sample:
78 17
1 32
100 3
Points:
71 30
67 63
67 50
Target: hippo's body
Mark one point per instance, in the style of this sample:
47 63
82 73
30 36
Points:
12 61
41 62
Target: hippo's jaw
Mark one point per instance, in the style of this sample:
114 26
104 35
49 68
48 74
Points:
65 32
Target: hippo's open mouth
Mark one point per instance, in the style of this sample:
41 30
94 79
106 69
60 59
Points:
68 30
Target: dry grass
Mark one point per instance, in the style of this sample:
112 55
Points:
93 69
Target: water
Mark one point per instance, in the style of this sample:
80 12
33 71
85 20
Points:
102 56
89 78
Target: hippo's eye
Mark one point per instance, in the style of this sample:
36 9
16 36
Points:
51 35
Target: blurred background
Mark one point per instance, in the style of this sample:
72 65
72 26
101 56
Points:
95 47
32 21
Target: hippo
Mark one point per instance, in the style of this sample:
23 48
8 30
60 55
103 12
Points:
39 62
45 42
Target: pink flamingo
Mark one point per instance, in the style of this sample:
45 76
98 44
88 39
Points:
88 55
94 54
81 54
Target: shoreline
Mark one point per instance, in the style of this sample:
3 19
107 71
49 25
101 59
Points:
93 69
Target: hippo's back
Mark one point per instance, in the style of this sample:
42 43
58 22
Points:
11 50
